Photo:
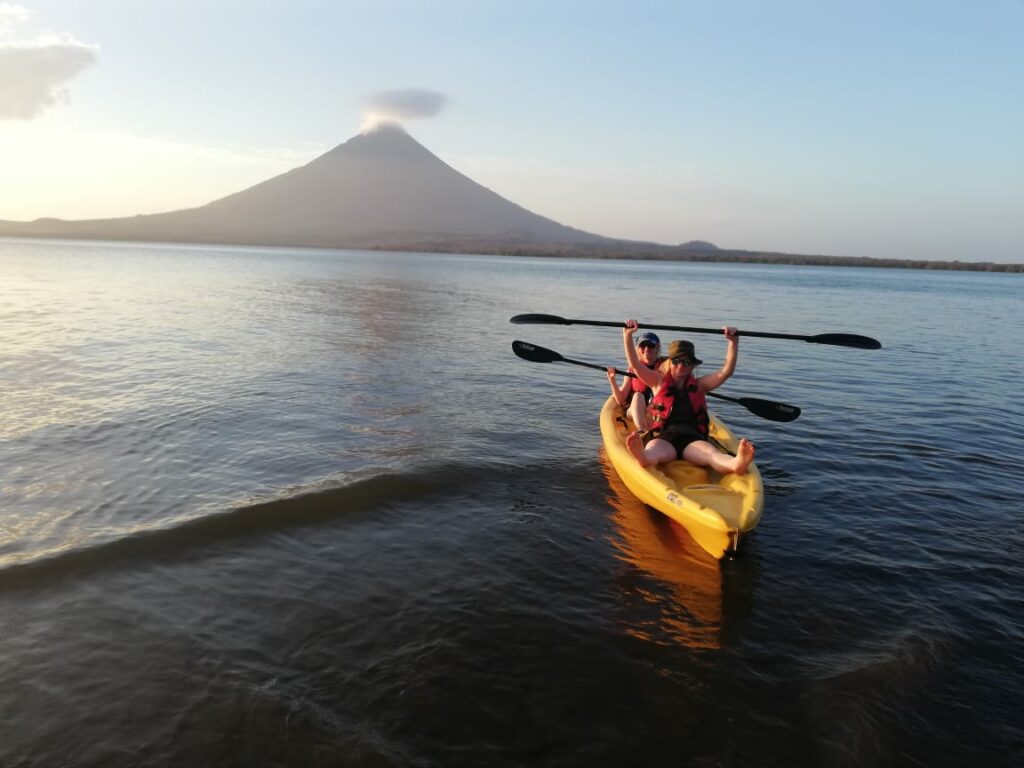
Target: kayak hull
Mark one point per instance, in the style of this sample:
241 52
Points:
716 510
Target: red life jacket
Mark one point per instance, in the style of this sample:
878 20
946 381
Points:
661 411
636 385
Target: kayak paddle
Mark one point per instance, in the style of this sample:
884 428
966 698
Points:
766 409
835 339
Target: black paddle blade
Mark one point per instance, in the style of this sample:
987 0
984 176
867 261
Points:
845 340
535 354
539 320
767 409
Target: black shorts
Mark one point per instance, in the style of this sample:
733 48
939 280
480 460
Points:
679 436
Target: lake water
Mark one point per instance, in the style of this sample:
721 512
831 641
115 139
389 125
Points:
272 507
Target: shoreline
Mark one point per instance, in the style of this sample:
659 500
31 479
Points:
617 252
722 256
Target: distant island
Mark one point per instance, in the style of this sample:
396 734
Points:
383 190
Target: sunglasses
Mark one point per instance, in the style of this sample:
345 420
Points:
681 361
648 345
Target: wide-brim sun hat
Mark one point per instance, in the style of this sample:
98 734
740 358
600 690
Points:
684 350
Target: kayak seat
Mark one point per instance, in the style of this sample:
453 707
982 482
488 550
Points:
683 474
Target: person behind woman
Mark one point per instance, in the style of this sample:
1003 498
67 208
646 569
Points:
678 413
633 389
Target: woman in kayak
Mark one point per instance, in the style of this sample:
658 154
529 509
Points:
633 390
678 413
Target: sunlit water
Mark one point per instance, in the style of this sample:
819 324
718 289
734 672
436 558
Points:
286 507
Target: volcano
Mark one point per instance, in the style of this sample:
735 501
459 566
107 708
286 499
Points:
380 189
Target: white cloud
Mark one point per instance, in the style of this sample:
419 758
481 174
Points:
35 69
402 104
11 15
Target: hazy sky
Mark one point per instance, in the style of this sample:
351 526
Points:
850 128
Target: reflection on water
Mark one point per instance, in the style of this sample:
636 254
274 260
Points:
689 611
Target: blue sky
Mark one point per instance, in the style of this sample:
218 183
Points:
848 128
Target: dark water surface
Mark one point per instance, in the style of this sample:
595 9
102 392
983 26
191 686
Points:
296 508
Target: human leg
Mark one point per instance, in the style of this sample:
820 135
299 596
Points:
704 454
655 452
638 411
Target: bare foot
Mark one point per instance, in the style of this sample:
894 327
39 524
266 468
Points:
635 445
744 455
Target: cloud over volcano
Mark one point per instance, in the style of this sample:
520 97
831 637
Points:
399 105
34 69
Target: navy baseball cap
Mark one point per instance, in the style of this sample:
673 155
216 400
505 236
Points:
648 338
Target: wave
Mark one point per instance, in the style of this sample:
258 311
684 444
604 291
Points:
304 508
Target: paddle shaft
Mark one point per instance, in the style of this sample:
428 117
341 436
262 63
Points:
741 400
766 409
836 339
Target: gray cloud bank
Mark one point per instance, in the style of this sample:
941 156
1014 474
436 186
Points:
34 70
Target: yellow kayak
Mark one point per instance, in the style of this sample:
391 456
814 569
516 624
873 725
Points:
716 510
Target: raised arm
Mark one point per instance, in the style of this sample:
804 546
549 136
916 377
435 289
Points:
719 377
652 378
619 393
